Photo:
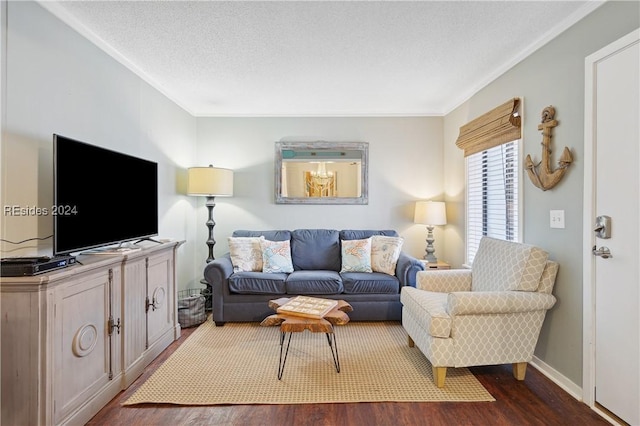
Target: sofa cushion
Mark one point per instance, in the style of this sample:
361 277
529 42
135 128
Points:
363 282
356 255
385 252
272 235
506 265
359 234
276 256
315 249
314 282
257 283
246 253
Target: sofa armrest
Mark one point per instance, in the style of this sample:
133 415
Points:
445 280
406 269
497 302
218 271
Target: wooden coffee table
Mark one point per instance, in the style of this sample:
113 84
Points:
296 324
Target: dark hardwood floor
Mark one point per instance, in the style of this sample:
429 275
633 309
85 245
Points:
535 401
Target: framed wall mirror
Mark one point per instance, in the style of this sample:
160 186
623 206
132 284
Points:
322 172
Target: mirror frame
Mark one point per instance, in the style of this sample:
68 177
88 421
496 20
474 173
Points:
362 147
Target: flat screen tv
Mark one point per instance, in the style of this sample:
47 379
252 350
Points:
101 197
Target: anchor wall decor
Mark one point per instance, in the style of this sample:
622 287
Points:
541 174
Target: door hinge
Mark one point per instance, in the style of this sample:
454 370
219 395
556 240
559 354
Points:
113 324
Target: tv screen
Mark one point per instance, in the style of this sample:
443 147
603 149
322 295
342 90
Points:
101 197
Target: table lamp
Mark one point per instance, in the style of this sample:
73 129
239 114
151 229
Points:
430 213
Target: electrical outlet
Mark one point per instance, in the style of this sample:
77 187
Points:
556 219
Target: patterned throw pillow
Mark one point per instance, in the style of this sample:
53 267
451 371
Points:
385 252
246 253
356 255
276 256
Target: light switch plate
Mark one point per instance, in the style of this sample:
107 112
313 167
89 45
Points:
556 219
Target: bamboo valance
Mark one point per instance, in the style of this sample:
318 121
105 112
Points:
498 126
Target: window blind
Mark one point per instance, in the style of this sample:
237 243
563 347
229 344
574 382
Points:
492 195
500 125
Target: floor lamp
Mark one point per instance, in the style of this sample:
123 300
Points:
210 182
430 213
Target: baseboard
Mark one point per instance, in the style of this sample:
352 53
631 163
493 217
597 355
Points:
93 405
556 377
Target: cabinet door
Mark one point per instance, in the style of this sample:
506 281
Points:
160 291
82 351
133 314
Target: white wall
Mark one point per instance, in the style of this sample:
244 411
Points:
405 165
554 75
58 82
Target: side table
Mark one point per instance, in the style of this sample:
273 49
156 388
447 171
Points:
435 265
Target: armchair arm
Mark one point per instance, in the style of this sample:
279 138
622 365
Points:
406 269
445 281
497 302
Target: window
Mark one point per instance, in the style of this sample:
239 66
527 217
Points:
491 144
492 196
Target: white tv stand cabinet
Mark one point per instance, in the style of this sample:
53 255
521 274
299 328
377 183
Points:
73 338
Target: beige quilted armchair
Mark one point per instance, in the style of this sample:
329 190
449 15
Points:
487 315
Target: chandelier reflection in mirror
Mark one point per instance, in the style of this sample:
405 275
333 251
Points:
320 182
321 172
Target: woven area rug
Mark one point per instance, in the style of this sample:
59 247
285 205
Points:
238 364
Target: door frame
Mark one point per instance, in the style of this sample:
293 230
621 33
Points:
588 238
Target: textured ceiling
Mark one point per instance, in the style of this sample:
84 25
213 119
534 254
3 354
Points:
307 58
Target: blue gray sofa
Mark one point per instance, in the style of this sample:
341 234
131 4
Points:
316 257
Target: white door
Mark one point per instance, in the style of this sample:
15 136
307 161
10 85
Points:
612 188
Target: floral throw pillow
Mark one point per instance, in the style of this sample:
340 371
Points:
385 252
356 255
246 253
276 256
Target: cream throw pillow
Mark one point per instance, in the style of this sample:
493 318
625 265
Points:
246 253
385 252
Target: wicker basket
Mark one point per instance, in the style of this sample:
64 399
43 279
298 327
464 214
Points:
191 308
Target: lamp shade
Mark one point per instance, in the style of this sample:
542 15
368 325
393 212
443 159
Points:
430 213
210 181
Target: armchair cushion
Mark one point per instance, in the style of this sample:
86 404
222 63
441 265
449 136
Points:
505 265
548 278
430 308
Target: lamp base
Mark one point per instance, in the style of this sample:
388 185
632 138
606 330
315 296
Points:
211 203
429 256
